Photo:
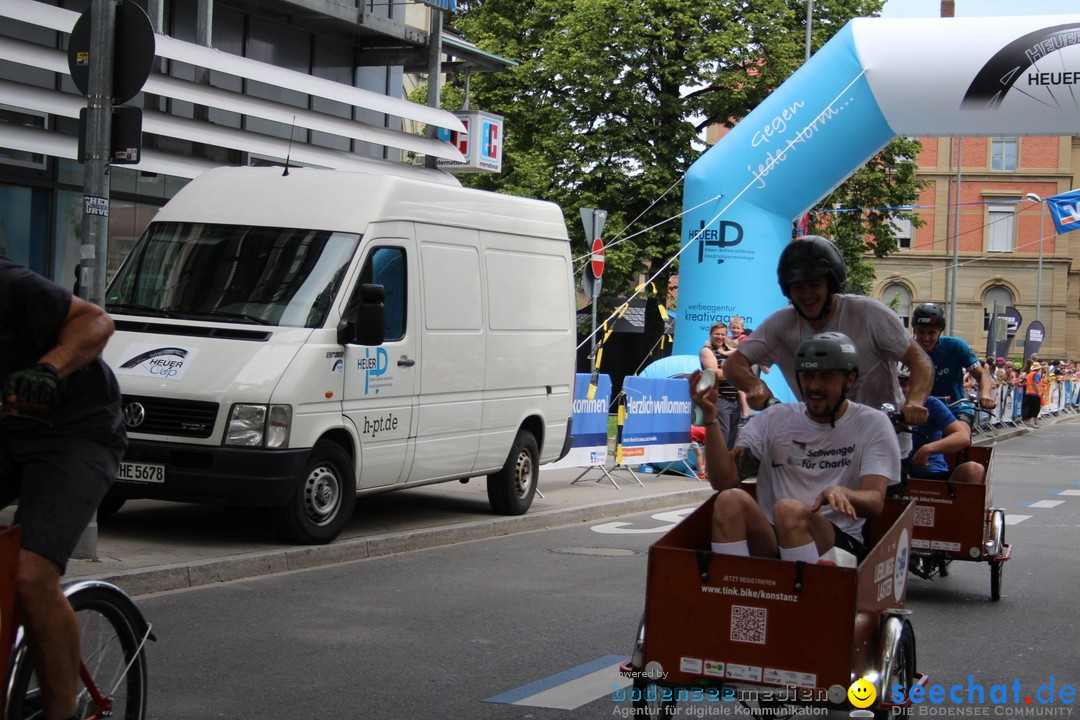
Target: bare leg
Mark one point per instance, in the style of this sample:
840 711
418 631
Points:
796 525
736 516
969 472
51 631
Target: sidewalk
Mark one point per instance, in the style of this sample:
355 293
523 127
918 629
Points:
154 546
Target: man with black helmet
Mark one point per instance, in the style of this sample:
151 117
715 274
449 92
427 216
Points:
812 276
951 357
822 465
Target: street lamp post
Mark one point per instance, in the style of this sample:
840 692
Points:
1038 277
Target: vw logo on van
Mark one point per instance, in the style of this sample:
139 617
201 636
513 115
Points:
134 414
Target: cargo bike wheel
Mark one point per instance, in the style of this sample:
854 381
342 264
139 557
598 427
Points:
896 666
997 563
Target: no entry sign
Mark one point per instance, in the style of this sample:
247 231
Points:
597 260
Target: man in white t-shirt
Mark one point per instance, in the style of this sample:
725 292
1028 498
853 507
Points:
811 273
822 465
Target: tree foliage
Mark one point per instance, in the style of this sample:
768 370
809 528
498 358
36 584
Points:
608 102
858 215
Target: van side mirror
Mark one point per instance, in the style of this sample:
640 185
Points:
366 324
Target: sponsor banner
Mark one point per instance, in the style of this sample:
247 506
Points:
590 435
656 427
1036 335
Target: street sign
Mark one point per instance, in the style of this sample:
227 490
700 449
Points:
596 262
133 52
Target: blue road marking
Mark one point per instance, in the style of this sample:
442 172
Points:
539 686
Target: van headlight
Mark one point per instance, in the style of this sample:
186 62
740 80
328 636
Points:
259 426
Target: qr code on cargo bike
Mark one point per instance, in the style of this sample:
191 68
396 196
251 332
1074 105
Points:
747 624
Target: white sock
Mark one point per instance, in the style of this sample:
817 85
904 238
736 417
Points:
807 553
740 547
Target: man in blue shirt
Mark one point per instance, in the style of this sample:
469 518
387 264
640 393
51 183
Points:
942 433
951 357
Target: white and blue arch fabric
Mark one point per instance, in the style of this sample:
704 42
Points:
874 80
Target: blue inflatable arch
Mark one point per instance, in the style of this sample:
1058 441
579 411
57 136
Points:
874 80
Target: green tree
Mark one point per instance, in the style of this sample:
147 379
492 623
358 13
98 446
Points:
608 103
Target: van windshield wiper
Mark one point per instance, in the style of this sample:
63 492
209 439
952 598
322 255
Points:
136 309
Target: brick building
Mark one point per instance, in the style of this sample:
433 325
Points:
993 228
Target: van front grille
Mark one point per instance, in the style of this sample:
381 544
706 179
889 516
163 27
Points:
168 416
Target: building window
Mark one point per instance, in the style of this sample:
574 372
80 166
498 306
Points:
1003 154
1001 228
898 298
902 232
27 119
996 295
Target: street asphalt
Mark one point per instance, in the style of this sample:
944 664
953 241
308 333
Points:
153 546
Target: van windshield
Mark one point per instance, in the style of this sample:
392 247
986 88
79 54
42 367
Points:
233 273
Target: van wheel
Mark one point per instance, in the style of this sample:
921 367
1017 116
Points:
511 490
324 499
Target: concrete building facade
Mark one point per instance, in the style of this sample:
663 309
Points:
234 82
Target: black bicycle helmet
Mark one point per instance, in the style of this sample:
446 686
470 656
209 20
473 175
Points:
928 315
827 351
810 258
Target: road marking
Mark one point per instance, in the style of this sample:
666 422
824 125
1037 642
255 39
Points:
671 518
1044 503
1016 519
571 688
1069 492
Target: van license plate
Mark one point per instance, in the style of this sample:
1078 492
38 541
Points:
141 472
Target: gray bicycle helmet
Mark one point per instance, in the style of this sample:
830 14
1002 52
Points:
809 258
827 351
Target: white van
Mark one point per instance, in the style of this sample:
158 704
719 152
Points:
293 339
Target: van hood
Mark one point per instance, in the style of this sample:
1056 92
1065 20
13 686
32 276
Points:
201 362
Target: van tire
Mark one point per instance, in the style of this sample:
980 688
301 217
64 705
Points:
324 499
511 490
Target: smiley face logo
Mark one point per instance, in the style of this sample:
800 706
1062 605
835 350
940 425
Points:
862 693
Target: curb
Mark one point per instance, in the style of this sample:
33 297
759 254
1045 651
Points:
180 576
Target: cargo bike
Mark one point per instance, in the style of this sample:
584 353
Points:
956 521
771 634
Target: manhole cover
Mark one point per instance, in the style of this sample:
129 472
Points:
596 551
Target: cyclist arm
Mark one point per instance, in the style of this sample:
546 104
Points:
719 462
82 337
738 372
986 397
866 502
956 436
919 386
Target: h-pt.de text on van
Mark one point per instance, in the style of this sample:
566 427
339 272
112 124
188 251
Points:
293 340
